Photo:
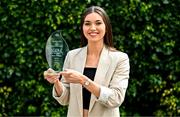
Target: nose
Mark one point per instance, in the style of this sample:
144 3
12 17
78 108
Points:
93 27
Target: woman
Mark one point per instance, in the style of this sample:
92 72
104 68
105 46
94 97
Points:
95 76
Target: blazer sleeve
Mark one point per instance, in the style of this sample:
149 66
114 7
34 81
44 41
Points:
113 96
64 98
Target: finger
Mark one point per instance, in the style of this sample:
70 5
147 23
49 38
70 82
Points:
64 73
68 70
70 75
52 74
51 80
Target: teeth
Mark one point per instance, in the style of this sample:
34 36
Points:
93 34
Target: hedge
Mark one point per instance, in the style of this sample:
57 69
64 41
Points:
148 31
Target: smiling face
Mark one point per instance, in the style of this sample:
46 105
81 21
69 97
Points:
94 28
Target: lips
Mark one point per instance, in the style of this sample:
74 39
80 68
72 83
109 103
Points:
93 33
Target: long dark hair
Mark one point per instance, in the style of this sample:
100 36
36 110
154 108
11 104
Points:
108 38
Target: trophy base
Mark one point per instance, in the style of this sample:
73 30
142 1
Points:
54 73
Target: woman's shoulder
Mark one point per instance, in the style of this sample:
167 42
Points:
117 53
76 50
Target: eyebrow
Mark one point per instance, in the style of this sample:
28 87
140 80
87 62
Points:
90 21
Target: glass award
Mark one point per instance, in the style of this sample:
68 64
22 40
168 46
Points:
56 50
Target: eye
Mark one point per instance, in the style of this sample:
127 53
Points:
98 23
87 23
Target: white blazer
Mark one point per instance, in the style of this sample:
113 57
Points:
112 75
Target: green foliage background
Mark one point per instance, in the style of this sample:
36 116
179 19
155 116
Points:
147 30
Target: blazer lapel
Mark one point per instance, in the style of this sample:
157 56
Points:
81 57
103 66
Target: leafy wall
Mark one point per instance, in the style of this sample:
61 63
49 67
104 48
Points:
148 31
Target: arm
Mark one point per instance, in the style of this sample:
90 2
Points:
61 88
111 96
114 94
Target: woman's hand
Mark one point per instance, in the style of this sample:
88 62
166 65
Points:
72 76
51 76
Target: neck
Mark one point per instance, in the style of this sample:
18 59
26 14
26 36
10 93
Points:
94 49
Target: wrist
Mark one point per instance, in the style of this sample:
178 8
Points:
56 82
82 80
85 82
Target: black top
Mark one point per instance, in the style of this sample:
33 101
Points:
90 73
